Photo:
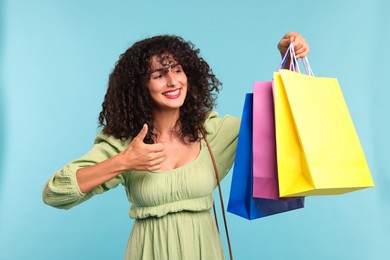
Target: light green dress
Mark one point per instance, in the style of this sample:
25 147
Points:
171 208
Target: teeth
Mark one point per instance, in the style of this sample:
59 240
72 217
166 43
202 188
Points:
171 93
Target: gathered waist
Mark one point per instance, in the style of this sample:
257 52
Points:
192 205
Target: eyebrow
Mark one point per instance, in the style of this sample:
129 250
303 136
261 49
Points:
164 69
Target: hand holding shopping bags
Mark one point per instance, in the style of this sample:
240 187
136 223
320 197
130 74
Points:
254 190
318 149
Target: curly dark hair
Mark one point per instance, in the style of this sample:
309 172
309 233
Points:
127 104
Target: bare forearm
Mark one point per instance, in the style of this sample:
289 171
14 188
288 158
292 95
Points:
95 175
137 156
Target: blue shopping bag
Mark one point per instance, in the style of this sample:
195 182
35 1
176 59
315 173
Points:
241 201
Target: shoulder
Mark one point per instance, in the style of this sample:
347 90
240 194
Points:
109 142
226 125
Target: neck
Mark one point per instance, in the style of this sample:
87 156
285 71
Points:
165 123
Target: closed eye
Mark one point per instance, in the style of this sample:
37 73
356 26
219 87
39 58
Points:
159 76
177 69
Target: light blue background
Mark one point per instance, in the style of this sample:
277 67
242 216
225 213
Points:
55 60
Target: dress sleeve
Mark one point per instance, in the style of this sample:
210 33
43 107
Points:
222 133
62 190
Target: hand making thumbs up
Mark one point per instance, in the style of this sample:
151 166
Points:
141 156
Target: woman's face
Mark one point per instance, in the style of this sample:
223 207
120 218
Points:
167 83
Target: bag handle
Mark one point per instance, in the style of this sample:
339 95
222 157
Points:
294 66
220 196
293 59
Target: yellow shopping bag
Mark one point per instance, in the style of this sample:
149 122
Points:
318 149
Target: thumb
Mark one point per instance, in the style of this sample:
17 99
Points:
142 134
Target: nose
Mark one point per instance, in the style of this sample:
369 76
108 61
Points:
171 79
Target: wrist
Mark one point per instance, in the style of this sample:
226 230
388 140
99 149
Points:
119 163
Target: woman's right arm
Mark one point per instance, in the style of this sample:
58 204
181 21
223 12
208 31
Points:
137 156
100 169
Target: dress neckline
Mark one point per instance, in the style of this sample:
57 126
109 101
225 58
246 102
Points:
178 169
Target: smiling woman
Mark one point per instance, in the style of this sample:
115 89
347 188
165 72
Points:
159 101
133 74
167 84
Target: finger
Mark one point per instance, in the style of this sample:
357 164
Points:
154 167
142 134
298 48
292 34
283 45
302 54
285 42
156 164
290 37
157 161
302 51
159 147
300 43
157 156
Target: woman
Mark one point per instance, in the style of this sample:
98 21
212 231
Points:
159 100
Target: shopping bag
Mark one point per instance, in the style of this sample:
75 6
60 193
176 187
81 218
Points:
265 182
318 149
241 201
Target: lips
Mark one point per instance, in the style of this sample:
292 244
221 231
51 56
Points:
172 94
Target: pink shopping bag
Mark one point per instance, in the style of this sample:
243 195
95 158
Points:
265 180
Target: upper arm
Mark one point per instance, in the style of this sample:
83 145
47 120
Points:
223 136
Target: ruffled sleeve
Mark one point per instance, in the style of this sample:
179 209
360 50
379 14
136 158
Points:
62 190
222 133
